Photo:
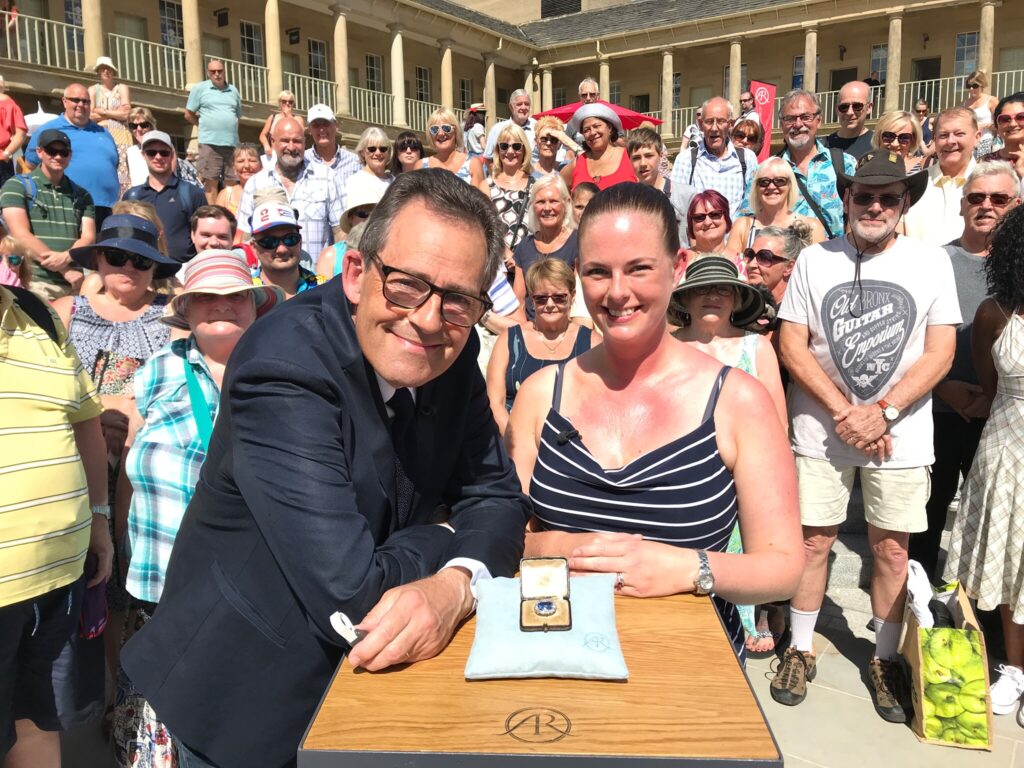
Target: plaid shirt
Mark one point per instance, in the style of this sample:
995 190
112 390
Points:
163 465
723 174
344 164
316 196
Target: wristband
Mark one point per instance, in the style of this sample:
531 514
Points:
101 509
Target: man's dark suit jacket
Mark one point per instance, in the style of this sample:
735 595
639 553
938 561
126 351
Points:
293 520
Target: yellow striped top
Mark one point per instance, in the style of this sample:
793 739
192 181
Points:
44 498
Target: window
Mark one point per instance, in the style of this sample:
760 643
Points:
879 60
465 92
290 63
965 59
677 90
640 103
73 15
251 37
318 66
216 47
374 72
798 72
558 97
615 92
130 26
743 78
172 32
423 84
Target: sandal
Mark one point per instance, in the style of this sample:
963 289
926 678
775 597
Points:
754 640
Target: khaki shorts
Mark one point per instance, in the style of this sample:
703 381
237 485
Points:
894 499
216 163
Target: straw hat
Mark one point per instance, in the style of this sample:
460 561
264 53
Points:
222 272
104 61
720 270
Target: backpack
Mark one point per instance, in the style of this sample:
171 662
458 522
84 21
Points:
33 306
32 190
739 154
839 168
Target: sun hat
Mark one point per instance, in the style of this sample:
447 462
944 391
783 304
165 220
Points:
131 233
477 106
104 61
152 136
273 214
879 168
321 112
359 196
596 109
221 272
715 269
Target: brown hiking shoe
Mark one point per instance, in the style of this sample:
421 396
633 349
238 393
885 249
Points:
888 686
795 670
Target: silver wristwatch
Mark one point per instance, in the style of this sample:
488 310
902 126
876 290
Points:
101 509
704 584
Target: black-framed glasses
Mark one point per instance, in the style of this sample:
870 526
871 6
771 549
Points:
763 257
803 117
560 299
697 218
158 152
846 106
718 290
445 128
887 200
1006 119
117 258
409 291
270 242
516 146
903 138
999 199
777 181
140 126
13 259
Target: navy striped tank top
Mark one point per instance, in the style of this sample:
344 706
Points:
680 494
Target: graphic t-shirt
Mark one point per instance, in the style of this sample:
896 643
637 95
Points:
865 334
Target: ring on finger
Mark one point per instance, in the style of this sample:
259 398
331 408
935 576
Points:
620 580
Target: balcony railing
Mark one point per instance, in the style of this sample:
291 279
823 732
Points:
249 79
371 106
43 43
417 112
141 61
310 90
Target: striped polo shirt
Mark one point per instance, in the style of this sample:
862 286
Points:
44 499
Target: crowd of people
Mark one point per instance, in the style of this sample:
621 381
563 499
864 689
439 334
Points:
291 379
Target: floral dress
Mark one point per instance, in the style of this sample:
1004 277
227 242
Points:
109 100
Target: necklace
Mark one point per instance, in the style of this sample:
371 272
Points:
552 347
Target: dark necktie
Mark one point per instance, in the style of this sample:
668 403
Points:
403 438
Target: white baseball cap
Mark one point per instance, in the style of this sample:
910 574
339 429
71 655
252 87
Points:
320 112
273 214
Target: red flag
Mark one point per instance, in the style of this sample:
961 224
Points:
764 103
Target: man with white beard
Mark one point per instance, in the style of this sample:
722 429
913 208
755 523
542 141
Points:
868 330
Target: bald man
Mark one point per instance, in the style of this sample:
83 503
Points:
852 112
310 188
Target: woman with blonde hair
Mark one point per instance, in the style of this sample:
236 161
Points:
15 264
773 195
286 107
140 122
900 132
508 187
983 104
374 151
247 163
445 134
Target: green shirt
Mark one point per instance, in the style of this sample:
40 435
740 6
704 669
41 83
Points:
55 213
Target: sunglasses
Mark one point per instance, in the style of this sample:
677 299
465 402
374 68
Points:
444 128
515 146
375 150
697 218
78 101
269 242
215 71
764 257
158 153
718 290
974 85
888 200
58 151
903 138
741 136
548 139
13 259
846 106
777 181
560 299
289 102
1007 119
360 214
139 126
999 199
405 146
117 258
921 111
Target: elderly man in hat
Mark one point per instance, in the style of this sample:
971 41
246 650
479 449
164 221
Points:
868 329
323 129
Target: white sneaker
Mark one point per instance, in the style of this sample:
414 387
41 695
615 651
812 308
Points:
1007 690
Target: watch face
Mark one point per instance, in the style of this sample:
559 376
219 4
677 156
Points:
706 581
891 413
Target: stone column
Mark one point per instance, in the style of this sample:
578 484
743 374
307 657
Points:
93 35
447 78
490 92
528 84
547 96
275 76
735 73
666 93
810 57
893 63
398 76
604 78
195 70
342 105
986 33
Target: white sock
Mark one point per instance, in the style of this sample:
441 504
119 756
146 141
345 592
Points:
887 638
801 625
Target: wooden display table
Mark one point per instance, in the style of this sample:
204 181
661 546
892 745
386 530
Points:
687 703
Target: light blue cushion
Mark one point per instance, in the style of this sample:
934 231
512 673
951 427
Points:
590 650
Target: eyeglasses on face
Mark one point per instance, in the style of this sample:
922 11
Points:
1005 119
697 218
746 99
158 152
140 126
715 122
270 242
13 259
803 117
515 146
887 200
741 136
117 258
777 181
360 214
921 111
763 257
410 292
377 150
405 146
903 138
546 139
560 299
85 100
215 71
999 199
972 86
718 290
289 102
588 95
444 128
846 106
54 151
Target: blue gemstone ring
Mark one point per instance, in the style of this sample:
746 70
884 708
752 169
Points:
544 608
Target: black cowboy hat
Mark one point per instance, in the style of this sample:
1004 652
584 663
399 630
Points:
880 167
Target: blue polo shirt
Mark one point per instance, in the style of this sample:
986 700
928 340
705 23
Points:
218 110
174 204
93 159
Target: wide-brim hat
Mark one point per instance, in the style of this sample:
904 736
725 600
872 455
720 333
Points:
222 272
881 167
360 196
721 270
104 61
131 233
595 109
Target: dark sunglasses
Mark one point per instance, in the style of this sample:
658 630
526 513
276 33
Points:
846 106
515 145
999 199
444 128
903 138
13 259
117 258
137 126
764 257
548 139
974 85
1007 119
78 101
403 146
215 71
158 153
921 111
58 151
697 218
741 136
560 299
888 200
375 150
777 181
272 241
289 102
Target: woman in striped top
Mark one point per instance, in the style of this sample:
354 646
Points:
641 454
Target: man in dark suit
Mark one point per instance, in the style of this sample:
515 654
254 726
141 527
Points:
307 505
